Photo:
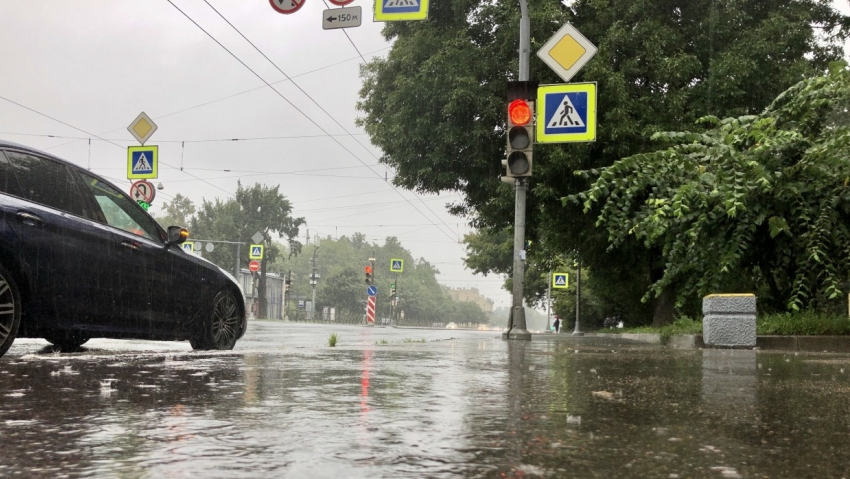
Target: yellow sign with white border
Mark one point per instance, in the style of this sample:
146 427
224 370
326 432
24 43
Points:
256 251
566 113
560 280
400 10
142 162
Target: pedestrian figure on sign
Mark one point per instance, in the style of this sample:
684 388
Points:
557 323
568 110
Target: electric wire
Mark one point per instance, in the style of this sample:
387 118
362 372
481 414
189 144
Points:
309 97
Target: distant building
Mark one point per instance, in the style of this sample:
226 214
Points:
471 295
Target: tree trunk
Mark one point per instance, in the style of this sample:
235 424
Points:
665 307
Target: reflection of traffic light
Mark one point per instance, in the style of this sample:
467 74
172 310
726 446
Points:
368 275
520 138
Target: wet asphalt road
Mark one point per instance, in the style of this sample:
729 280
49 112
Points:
383 403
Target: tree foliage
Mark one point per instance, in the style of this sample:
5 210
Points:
758 202
436 104
259 208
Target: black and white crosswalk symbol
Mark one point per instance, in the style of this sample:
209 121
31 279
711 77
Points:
401 3
256 251
566 116
142 165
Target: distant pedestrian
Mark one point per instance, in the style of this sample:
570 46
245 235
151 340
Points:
557 324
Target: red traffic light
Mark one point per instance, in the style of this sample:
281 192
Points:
368 270
519 112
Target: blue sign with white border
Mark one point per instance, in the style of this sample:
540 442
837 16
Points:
566 113
372 290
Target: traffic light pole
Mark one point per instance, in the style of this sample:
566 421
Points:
516 323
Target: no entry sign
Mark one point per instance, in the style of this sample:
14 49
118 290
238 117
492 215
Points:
286 6
254 266
341 3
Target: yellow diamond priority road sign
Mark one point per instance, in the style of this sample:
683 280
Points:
567 51
142 128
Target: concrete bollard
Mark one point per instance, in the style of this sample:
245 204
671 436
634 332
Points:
729 320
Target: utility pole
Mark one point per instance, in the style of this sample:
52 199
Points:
577 331
516 323
314 277
549 302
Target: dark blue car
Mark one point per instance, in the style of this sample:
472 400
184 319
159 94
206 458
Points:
79 259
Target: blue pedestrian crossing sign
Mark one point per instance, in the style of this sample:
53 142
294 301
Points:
566 113
396 265
400 10
142 162
188 246
560 280
256 251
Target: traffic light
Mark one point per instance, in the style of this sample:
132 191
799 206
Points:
368 275
520 138
392 289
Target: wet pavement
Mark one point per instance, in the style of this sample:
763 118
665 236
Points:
389 402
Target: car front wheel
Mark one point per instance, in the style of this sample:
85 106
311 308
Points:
222 327
10 310
66 341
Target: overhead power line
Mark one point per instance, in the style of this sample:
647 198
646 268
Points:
294 83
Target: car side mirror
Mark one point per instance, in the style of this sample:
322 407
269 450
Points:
177 234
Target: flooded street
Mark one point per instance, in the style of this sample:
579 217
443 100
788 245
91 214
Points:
389 402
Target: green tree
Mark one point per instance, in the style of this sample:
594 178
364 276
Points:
259 208
436 104
177 212
755 203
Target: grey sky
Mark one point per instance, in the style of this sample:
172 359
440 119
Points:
96 64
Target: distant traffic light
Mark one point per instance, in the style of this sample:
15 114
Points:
520 138
368 275
392 289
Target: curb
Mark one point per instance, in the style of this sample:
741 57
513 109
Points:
827 344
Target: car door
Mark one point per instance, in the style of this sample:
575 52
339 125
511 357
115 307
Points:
154 286
61 251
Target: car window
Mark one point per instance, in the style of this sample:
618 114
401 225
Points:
118 211
8 180
47 182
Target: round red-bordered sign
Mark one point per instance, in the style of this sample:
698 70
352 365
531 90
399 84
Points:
341 3
287 6
143 190
254 266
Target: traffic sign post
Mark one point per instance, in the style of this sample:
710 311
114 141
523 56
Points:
342 18
286 7
400 10
396 265
254 266
566 113
256 251
142 162
143 191
567 52
560 280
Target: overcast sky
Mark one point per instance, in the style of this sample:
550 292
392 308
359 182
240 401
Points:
96 65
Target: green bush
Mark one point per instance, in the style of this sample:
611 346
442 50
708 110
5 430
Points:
803 323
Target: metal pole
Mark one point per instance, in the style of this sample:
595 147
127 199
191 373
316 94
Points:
577 331
549 302
314 280
517 321
236 270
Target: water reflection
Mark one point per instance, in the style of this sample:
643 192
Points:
473 406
